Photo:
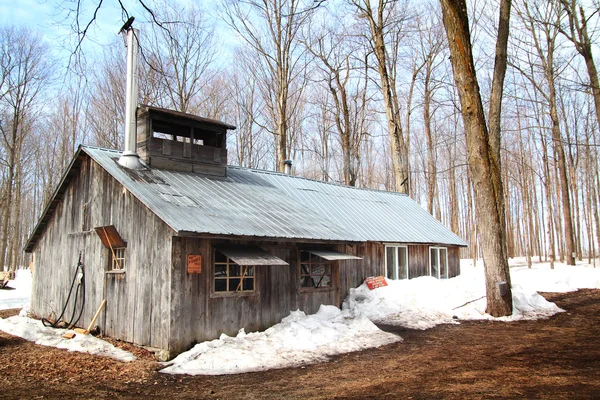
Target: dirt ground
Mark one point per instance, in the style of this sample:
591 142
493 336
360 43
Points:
558 358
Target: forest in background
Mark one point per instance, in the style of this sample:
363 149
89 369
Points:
357 92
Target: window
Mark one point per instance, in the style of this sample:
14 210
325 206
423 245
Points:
438 262
232 277
117 259
315 272
396 262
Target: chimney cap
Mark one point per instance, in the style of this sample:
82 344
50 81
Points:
287 162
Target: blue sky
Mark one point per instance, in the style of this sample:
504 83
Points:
51 19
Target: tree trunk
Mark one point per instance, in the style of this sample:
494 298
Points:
392 113
431 159
483 159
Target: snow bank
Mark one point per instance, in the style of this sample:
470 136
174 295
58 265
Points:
297 340
34 331
20 296
424 302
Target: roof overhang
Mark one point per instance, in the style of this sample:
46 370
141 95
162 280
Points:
55 199
250 256
333 255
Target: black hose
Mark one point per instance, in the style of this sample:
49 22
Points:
80 287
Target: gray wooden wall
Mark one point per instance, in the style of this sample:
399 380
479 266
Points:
418 261
137 308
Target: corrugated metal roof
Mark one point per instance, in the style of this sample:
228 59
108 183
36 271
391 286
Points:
242 204
374 215
273 205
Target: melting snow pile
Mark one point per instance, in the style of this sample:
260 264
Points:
34 331
18 293
424 302
297 340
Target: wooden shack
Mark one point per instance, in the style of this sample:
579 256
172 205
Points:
187 247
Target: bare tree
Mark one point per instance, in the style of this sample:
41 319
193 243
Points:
577 32
482 156
182 52
25 73
333 53
540 20
270 28
384 22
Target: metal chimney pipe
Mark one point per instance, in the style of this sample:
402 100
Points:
129 158
287 167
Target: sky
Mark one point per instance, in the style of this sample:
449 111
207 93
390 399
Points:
52 19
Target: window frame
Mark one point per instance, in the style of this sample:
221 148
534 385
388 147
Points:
243 276
333 272
438 249
117 261
397 261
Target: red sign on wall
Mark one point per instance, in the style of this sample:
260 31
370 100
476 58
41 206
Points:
194 264
374 282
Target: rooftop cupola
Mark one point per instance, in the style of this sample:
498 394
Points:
178 141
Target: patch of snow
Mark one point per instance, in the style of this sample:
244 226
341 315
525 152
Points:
18 294
419 303
34 331
297 340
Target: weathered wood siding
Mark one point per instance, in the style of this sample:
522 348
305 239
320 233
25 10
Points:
198 314
137 308
453 261
418 261
354 272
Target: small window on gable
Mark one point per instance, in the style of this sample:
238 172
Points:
232 277
438 262
315 272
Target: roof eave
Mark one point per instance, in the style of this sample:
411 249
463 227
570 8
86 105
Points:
55 199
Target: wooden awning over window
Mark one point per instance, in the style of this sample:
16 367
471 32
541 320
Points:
333 255
110 237
251 256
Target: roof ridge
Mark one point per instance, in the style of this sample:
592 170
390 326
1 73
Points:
89 146
269 172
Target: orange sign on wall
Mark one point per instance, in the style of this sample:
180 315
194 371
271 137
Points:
194 264
374 282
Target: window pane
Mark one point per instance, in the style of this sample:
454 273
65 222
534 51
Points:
306 281
248 284
304 269
220 257
325 281
390 262
443 263
234 270
220 270
233 284
220 285
435 271
250 271
402 263
318 269
304 256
